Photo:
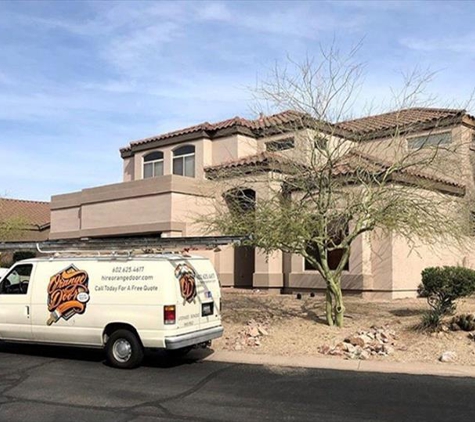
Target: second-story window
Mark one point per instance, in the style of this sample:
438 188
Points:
431 140
184 161
153 164
280 145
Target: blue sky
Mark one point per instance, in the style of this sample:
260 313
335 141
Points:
79 80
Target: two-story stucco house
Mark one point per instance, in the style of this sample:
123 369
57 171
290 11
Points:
165 183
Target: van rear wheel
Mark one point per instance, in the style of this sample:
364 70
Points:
124 350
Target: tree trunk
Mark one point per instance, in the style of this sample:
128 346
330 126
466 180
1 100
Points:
334 308
339 308
329 308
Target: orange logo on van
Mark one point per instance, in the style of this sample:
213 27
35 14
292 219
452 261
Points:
186 278
68 294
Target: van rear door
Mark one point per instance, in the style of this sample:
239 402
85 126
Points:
207 292
207 296
188 308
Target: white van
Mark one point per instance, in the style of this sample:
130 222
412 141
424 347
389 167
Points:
121 303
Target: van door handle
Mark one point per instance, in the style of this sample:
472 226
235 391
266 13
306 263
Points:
27 311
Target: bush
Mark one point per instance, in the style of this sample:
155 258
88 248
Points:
20 255
442 286
430 320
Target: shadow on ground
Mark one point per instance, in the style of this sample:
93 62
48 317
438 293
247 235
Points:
407 312
271 307
153 358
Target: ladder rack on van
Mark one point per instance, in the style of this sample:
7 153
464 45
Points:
126 244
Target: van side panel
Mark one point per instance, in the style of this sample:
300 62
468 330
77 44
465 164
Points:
74 299
131 292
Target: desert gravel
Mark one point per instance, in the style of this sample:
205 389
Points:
297 327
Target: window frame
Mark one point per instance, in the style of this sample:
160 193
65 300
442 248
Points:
20 283
152 163
333 256
182 156
422 141
280 145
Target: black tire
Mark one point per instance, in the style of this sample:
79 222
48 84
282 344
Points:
124 350
178 353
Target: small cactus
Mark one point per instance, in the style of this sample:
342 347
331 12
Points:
465 322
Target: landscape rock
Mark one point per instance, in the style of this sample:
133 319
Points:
250 335
355 341
366 338
263 331
253 332
448 356
378 341
364 355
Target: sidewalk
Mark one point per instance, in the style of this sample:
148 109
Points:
435 369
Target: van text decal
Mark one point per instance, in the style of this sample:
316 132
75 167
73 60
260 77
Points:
186 277
68 294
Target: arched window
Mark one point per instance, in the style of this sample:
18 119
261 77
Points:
240 200
153 164
184 161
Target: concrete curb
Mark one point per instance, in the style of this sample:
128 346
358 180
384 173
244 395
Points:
412 368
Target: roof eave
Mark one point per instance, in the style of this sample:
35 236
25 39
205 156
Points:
406 129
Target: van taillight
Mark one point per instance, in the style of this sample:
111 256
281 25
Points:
169 314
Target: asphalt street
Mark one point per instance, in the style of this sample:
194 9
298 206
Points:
62 384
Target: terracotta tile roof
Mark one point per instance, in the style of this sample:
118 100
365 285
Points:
34 213
262 159
347 165
366 127
356 160
255 126
400 118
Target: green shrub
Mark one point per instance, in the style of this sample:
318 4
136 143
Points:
442 286
430 320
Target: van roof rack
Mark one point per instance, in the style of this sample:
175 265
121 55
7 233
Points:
150 244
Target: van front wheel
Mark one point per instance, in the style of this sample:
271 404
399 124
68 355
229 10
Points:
124 350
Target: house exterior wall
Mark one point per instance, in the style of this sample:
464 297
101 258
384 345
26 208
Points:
129 169
141 206
381 266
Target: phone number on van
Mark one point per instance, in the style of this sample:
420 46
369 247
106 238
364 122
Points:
128 269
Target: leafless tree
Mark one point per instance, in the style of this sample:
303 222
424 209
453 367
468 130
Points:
337 183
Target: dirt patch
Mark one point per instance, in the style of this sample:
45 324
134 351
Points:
289 326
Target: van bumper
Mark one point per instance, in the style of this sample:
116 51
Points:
190 339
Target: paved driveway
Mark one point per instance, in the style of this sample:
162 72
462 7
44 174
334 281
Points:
61 384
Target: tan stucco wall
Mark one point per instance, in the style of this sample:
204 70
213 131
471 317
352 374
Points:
140 206
65 220
188 209
129 169
224 150
410 261
144 210
381 265
232 148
